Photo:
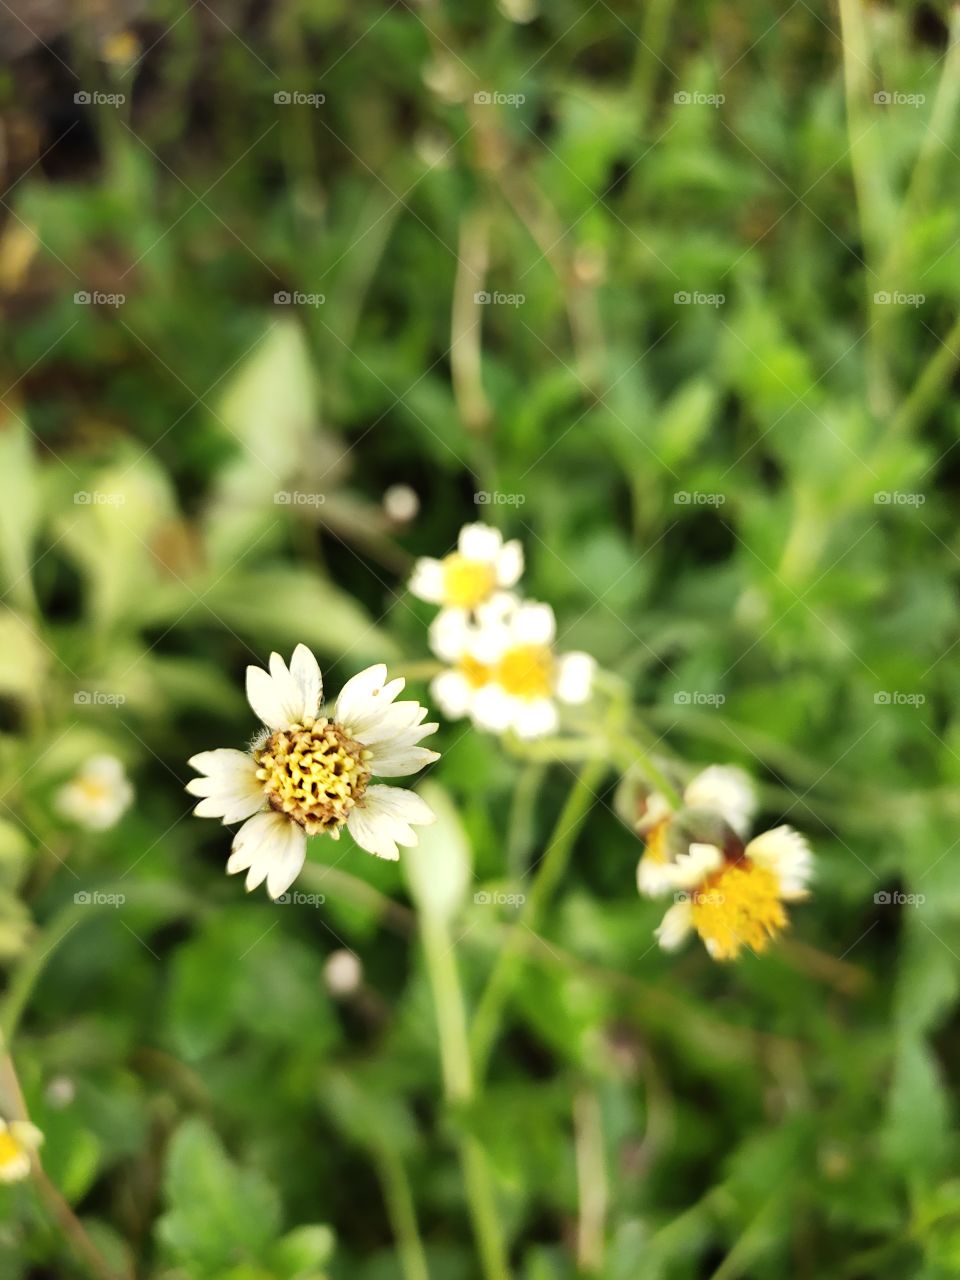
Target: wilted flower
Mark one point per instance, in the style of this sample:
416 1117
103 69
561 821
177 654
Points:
19 1139
720 792
309 774
504 673
468 577
99 794
737 900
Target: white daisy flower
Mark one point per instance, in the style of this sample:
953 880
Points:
736 902
504 673
310 774
724 790
19 1139
99 794
481 565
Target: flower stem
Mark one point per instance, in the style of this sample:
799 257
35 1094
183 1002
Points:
402 1212
486 1022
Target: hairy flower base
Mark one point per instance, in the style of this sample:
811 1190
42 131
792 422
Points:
314 773
738 906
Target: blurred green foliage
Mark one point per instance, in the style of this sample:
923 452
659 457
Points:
744 506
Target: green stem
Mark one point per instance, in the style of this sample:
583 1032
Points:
403 1215
930 386
486 1021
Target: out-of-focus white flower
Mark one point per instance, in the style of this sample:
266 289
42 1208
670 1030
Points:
19 1139
737 902
99 794
469 577
342 973
503 671
309 774
723 790
400 503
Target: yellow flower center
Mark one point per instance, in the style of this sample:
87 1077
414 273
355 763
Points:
476 674
526 671
738 906
467 583
93 790
314 773
10 1149
656 844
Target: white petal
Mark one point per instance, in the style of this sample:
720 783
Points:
269 847
426 581
267 699
493 709
654 878
693 867
575 672
479 542
449 634
534 624
223 761
535 719
383 819
306 672
786 853
675 926
728 791
231 789
354 702
398 762
453 693
509 563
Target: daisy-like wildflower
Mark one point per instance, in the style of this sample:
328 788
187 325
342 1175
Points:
504 673
98 795
19 1139
309 773
467 578
736 899
721 792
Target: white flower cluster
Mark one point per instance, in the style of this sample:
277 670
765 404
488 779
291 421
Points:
502 668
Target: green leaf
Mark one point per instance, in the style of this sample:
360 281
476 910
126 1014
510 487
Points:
439 867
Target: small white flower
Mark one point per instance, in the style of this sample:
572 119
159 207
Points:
98 795
481 565
504 673
309 774
737 902
19 1139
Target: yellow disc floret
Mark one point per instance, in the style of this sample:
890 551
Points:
738 906
476 674
526 671
314 773
467 583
